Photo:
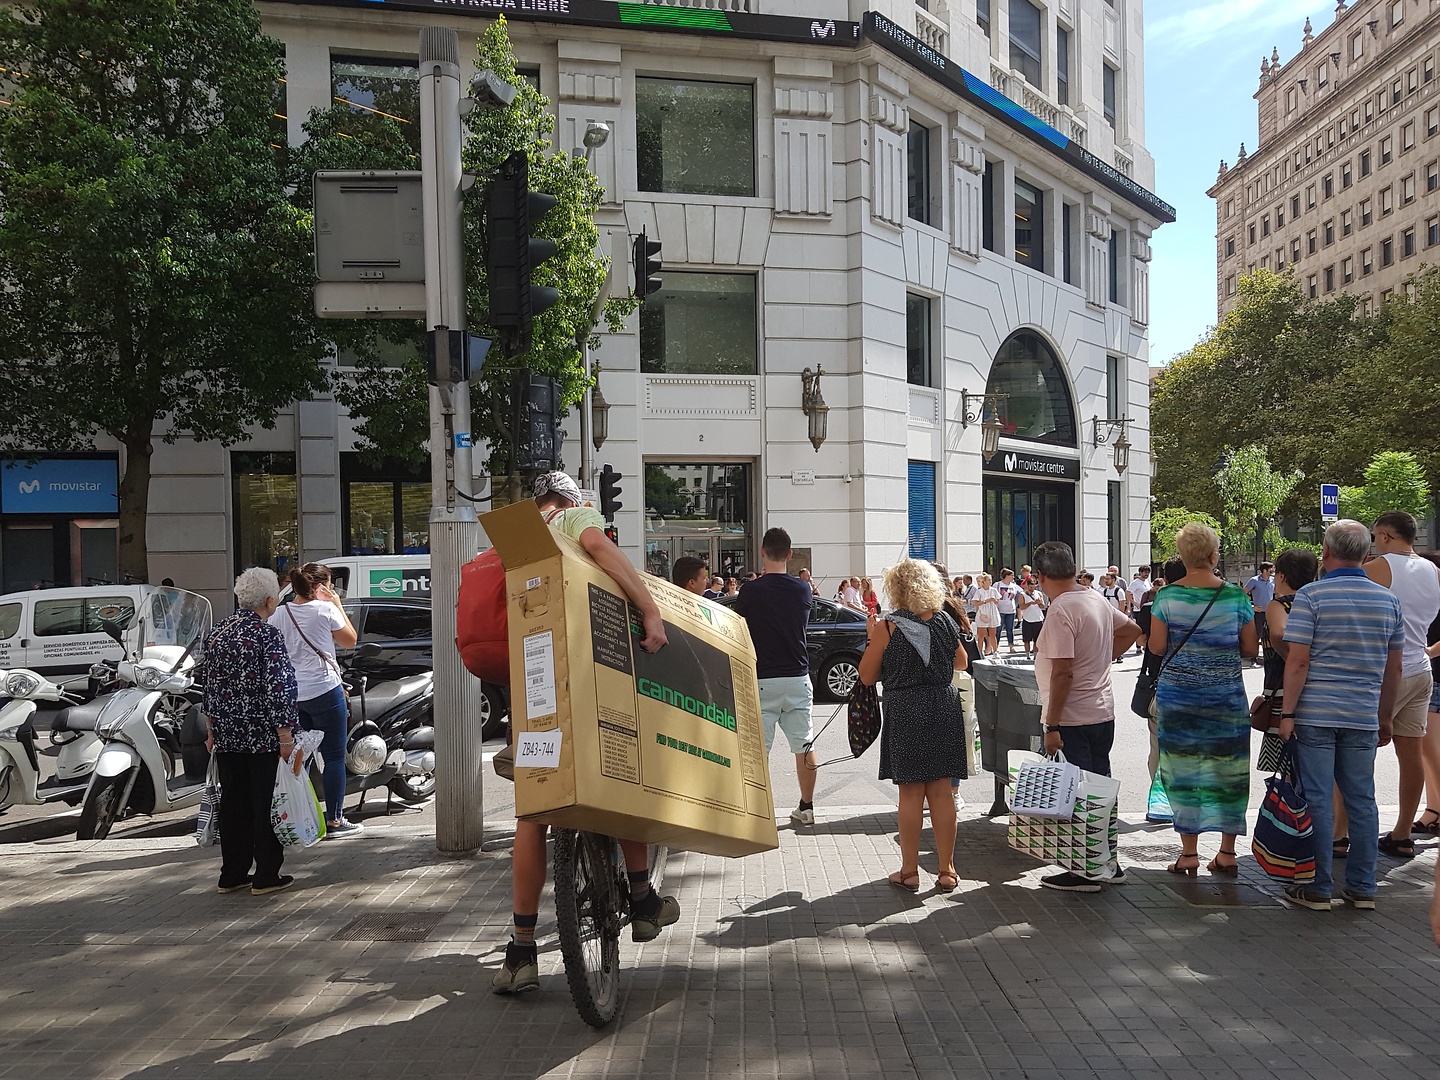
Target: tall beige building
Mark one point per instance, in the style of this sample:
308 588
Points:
1343 188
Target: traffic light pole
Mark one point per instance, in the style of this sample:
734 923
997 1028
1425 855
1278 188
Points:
454 529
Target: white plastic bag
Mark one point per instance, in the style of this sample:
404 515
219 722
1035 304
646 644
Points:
1045 788
207 825
294 810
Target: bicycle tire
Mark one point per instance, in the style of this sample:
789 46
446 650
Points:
588 916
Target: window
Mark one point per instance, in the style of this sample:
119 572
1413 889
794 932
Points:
1397 91
1347 271
80 615
1294 207
1397 13
386 622
1109 79
1311 287
1432 122
1292 100
918 153
1330 279
1427 69
982 15
1329 186
919 357
695 138
1264 262
1038 408
987 207
1366 262
386 507
1230 285
1357 46
1115 513
1322 76
1310 244
1407 137
1365 213
265 504
1345 175
1025 23
1387 252
1115 266
1329 233
1294 251
1364 163
1385 294
700 324
1280 217
1387 201
1229 247
1407 243
1310 197
1412 81
1062 65
1252 232
1432 237
1387 150
1279 258
377 91
1432 176
1407 189
10 620
1229 208
1067 243
1370 109
1265 225
1029 226
1346 223
1113 386
922 510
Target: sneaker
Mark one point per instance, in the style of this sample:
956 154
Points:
519 972
959 799
1068 882
343 830
650 915
250 880
1300 896
280 884
1115 875
1359 900
803 817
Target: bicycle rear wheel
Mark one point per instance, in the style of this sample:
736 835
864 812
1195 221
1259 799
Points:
588 913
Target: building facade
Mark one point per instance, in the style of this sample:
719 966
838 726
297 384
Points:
929 204
1343 188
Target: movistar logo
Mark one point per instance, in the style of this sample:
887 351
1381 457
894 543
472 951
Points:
705 710
29 487
1011 460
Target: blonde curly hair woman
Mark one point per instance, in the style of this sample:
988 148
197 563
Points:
914 651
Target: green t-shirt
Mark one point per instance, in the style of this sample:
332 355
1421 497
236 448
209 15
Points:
576 520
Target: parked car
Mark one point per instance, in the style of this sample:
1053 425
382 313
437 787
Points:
835 640
402 630
60 633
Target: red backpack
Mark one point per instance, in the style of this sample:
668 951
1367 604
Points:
482 628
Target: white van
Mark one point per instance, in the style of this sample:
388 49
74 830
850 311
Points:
392 577
59 633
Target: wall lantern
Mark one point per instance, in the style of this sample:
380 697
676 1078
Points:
813 403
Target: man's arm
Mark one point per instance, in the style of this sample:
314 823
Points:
613 561
1378 571
1389 686
1297 670
1062 679
1125 636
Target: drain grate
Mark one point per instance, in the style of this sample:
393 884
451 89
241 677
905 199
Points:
1220 894
390 926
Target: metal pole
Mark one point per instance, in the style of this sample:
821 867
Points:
587 461
454 529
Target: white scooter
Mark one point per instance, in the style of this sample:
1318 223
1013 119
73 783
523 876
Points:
20 782
153 722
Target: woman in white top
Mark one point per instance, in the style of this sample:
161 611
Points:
987 614
313 623
1032 616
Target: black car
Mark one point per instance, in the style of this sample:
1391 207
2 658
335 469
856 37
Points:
401 627
835 639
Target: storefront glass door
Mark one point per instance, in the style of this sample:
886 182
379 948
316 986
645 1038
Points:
701 510
1020 518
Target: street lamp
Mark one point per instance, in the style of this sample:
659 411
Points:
599 413
594 410
1112 429
813 404
984 409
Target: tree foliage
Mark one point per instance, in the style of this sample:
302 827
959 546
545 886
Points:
154 275
1251 494
1394 480
1164 524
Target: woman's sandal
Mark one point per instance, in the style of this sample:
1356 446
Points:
1431 827
947 881
1185 871
908 882
1340 847
1230 869
1396 848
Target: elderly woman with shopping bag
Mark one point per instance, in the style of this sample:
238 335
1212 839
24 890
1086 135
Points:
250 699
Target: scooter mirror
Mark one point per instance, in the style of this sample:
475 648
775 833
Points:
369 651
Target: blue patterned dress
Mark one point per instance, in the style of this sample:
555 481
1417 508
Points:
1202 711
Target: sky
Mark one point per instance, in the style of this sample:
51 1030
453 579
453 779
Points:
1202 68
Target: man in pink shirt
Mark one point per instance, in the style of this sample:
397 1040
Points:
1082 634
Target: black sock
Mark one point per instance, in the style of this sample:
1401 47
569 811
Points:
806 805
639 883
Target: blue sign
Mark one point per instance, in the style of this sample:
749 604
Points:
60 486
1330 501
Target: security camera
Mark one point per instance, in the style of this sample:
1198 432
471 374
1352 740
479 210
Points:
490 91
597 133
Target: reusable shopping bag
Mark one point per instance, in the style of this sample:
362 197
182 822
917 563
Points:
1045 788
1085 843
1284 839
207 825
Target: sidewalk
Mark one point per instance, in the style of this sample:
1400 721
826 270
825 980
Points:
121 960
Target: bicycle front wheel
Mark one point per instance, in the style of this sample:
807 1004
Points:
588 914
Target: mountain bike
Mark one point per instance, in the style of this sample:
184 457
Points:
592 907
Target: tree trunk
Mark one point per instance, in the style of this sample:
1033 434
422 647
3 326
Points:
134 508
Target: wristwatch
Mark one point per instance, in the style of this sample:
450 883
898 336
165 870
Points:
1052 727
1287 716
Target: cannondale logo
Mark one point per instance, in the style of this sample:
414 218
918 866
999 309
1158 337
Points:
29 487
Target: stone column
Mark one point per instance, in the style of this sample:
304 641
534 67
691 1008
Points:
804 148
967 177
1140 256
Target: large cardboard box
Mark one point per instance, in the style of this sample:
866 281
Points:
666 748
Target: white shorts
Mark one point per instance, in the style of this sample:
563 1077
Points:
785 703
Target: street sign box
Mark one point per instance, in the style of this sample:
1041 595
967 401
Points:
1329 502
369 226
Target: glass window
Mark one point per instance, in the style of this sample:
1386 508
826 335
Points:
1310 242
1112 385
1062 65
1347 270
1366 212
1387 251
1432 237
1109 80
1330 279
1115 512
1364 162
377 90
1345 179
1029 226
1432 122
918 152
1407 243
1265 225
1407 137
1230 247
709 520
1294 206
9 620
695 138
1366 262
1114 266
1068 242
1329 233
987 207
1345 223
1311 287
1295 251
396 622
700 324
1407 189
1329 185
1397 13
1432 176
1387 150
919 357
386 507
1038 407
982 15
1025 24
1387 201
265 501
1310 197
79 615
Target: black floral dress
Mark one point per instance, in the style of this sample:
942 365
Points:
923 734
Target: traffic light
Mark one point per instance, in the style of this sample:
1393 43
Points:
614 534
609 492
535 421
647 266
512 254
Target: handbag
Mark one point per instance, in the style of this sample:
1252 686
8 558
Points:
1263 713
1145 682
207 825
504 761
329 662
1046 789
1284 839
1086 843
862 722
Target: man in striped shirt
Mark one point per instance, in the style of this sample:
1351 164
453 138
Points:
1346 636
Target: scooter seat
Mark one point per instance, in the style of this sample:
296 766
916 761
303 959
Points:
78 717
382 697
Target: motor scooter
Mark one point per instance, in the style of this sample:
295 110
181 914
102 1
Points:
391 742
154 757
79 748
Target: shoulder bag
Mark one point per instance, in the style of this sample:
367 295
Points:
1145 683
329 662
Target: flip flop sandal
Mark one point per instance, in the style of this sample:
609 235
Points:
1397 849
1431 828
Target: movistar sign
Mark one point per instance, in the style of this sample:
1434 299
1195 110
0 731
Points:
706 710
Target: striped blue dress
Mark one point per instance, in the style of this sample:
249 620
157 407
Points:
1201 710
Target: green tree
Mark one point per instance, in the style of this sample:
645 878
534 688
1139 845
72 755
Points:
1394 480
1164 524
665 494
1251 494
154 277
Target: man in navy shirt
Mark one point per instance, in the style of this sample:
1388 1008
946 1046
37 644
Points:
776 608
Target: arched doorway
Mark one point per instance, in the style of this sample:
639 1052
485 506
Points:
1030 492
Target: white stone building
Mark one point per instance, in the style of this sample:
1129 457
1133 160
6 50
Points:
924 203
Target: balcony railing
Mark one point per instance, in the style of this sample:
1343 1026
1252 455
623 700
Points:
1124 162
752 6
933 29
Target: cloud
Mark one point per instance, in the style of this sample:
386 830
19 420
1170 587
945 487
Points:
1185 30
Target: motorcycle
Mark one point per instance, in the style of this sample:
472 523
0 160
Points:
151 723
391 742
79 746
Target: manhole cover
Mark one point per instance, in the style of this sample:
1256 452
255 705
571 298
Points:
390 926
1144 853
1219 894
